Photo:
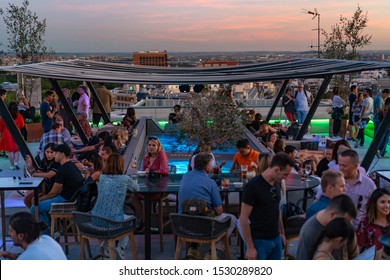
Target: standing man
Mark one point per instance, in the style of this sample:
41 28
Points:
332 184
359 187
105 97
302 100
67 181
260 219
379 102
366 114
381 115
351 99
47 111
341 206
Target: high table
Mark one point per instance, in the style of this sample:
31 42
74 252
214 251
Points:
294 182
11 184
168 184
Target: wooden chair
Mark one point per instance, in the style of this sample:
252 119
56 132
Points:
200 229
92 227
62 218
63 223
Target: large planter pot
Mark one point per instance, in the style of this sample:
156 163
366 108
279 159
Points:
343 128
34 132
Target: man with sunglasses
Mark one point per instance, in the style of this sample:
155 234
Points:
260 218
359 186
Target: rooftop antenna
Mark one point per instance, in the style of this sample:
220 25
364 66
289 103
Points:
315 14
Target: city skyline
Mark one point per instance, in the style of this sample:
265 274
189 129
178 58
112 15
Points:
196 25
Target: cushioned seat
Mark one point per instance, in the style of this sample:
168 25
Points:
200 229
92 227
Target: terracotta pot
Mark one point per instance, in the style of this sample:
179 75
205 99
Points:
34 132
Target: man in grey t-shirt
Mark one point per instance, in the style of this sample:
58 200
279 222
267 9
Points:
340 206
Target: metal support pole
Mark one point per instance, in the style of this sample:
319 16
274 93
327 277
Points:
376 141
96 98
276 102
69 109
15 133
314 106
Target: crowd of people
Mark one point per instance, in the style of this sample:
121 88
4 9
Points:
347 217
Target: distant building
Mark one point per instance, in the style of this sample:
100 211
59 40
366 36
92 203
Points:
216 63
151 58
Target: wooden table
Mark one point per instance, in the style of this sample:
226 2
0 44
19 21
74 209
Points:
10 184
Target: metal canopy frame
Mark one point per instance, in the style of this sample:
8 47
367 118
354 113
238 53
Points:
298 68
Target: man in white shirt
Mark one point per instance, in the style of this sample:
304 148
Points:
302 99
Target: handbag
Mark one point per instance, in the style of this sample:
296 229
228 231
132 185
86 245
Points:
30 112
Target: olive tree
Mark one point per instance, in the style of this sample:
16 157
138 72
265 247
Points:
344 41
347 37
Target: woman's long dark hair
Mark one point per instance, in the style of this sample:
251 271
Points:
338 227
24 222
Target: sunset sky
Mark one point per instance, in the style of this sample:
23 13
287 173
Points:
197 25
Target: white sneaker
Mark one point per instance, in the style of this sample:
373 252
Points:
120 252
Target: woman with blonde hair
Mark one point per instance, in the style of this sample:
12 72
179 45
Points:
155 159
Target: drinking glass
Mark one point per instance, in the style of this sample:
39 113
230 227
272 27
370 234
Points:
308 169
244 171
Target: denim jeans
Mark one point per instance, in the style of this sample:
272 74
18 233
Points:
268 249
301 116
44 209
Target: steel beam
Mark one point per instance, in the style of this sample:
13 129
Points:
106 118
314 107
276 102
69 109
15 133
376 141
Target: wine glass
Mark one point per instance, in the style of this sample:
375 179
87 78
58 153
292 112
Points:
308 169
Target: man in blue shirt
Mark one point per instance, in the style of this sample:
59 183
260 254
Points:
332 184
197 184
48 111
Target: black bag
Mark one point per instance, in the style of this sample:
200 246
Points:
197 207
290 209
86 195
30 112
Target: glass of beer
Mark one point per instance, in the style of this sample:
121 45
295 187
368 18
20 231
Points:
244 171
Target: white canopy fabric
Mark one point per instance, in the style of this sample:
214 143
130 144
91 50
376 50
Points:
84 70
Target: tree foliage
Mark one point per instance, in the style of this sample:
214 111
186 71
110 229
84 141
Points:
214 118
25 32
347 37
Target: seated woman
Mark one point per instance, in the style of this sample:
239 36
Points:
335 235
279 146
119 138
112 188
376 222
155 161
130 116
271 141
47 170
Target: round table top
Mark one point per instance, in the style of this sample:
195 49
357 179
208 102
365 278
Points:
295 182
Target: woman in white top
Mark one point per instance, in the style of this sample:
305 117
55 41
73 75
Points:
337 105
